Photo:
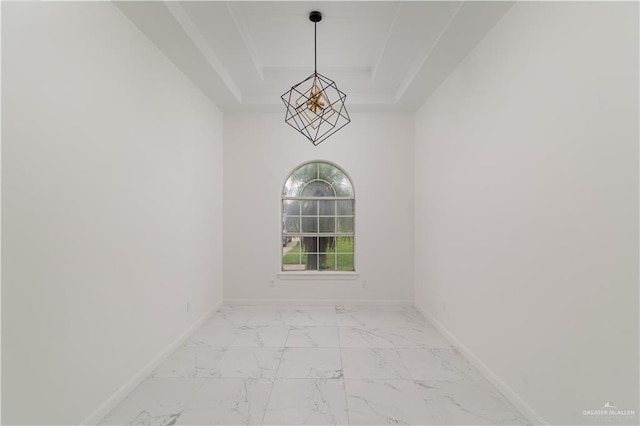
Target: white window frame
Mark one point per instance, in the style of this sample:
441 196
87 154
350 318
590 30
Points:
318 274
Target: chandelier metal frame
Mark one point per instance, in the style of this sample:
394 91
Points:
315 106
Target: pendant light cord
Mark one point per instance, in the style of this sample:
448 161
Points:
315 47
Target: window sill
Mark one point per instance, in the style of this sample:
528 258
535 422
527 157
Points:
318 275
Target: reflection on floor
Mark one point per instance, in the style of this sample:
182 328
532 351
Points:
316 365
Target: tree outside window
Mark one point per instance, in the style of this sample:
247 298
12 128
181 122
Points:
318 219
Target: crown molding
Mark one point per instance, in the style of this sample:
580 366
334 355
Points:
201 44
246 39
422 59
385 44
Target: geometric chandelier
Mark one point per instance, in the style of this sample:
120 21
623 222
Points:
315 106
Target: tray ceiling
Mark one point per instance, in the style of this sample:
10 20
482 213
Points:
387 56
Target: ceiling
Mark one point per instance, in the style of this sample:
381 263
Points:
386 56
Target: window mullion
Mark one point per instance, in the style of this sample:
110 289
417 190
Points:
313 226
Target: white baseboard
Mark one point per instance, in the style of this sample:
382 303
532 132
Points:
127 388
318 302
493 378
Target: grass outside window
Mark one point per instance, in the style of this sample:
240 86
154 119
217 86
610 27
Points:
339 259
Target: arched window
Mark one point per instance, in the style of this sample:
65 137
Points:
318 219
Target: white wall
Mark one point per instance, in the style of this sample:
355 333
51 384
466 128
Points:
112 207
527 206
260 150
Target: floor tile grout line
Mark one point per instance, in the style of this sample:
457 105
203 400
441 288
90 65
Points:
189 405
344 378
275 377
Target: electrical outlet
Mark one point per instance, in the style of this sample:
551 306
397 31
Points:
364 284
188 306
272 283
444 306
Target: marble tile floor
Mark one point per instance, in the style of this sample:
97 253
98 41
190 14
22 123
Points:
315 365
